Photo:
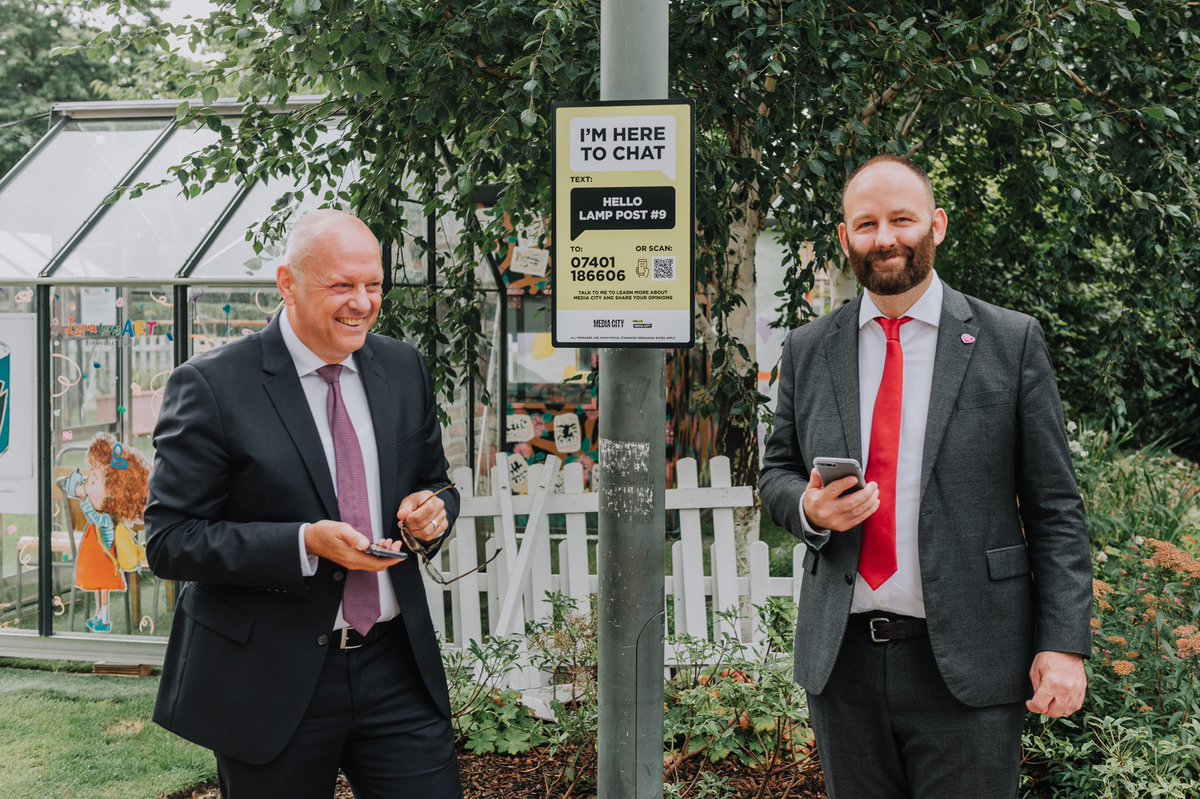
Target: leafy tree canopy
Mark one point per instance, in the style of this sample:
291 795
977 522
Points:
34 76
1062 137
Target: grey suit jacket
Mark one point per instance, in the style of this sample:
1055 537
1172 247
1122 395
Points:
238 467
1004 554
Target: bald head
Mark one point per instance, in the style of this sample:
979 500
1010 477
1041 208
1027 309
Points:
888 164
331 283
318 235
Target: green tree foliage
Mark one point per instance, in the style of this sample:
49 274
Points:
34 75
1061 135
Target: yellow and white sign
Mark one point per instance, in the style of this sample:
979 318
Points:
623 224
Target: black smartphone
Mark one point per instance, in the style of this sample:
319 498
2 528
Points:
381 552
832 469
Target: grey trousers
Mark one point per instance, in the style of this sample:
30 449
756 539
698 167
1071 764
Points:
887 727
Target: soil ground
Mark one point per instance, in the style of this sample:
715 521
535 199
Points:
542 775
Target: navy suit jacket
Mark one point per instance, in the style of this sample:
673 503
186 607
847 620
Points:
238 468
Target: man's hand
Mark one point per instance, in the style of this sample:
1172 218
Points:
826 509
424 514
342 544
1059 683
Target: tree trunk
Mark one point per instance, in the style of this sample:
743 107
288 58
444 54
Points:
843 286
738 433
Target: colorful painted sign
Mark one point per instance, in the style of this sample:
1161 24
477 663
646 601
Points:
5 381
18 413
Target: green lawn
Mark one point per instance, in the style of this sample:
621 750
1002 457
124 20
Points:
79 736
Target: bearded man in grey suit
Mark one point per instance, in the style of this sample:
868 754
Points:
954 591
280 458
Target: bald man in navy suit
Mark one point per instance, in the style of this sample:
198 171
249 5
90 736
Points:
280 458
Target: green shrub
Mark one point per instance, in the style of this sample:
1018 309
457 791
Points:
1115 758
726 701
1138 734
488 718
1146 492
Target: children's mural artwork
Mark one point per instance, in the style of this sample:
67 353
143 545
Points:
536 430
112 497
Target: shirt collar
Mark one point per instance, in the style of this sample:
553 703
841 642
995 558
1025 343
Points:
928 309
307 362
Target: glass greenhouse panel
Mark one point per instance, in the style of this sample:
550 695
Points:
151 236
73 174
221 314
111 351
232 255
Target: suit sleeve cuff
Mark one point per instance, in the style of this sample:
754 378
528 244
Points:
308 563
814 538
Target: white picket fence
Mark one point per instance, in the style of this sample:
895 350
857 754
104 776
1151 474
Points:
517 581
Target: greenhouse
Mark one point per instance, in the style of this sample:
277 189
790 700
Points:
99 301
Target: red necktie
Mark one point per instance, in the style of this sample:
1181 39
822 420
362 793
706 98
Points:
877 558
360 599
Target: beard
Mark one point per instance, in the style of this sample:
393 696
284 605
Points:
918 263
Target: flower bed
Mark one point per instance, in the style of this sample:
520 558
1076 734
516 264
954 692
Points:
1139 731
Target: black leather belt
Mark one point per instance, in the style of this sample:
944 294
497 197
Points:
884 627
349 638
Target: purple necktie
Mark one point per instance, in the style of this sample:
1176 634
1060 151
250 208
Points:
360 601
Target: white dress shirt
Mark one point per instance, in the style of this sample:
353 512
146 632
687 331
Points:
354 397
901 593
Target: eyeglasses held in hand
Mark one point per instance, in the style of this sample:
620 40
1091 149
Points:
413 545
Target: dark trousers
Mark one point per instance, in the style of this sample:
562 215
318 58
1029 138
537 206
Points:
887 727
372 716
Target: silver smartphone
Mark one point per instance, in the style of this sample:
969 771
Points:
832 469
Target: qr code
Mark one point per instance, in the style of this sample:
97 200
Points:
664 268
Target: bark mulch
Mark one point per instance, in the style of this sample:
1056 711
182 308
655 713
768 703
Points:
570 774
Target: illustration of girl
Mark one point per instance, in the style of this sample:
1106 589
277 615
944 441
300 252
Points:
112 494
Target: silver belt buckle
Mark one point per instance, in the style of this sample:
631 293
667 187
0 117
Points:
345 637
874 634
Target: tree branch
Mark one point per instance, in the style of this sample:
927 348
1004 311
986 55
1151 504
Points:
492 72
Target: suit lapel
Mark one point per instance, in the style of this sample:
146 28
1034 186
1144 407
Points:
283 387
381 400
949 366
841 355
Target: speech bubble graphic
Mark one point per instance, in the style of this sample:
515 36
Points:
623 144
644 208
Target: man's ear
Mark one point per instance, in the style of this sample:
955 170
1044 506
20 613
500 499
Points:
842 239
285 281
940 222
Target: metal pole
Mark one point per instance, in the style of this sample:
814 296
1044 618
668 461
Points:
633 66
45 459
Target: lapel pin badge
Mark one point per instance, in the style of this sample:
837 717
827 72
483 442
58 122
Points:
967 338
